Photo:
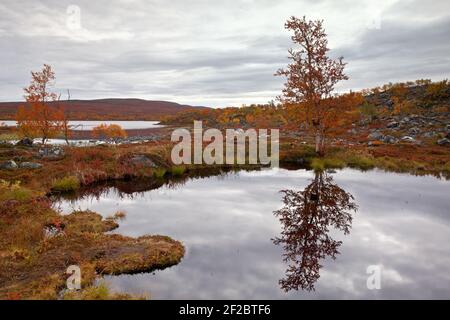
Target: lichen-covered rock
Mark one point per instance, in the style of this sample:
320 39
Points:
409 139
376 135
444 142
51 152
10 164
30 165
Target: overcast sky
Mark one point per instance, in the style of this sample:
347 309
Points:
210 52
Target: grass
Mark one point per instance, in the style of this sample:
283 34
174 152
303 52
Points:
14 191
8 137
98 292
320 164
159 173
66 184
178 171
360 162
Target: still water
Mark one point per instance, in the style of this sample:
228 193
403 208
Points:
237 248
87 125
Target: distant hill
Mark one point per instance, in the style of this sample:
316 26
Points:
108 109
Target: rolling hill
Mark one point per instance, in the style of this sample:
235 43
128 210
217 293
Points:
108 109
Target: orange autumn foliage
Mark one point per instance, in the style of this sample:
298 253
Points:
311 77
38 118
112 131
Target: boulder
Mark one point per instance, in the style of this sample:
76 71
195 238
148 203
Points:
26 142
409 139
143 161
51 152
30 165
414 131
444 142
10 164
390 139
376 135
429 134
393 124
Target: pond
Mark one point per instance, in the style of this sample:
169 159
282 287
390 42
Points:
87 125
237 248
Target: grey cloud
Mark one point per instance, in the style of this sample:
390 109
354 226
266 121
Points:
209 53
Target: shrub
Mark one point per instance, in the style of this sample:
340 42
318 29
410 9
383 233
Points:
438 90
66 184
368 109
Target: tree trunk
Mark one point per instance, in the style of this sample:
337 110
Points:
318 139
320 142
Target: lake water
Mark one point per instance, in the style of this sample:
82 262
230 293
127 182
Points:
89 124
401 228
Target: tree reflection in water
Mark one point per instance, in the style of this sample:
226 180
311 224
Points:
306 219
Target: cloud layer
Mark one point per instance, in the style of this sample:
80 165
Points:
209 52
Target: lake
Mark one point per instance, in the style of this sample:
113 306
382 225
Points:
398 224
87 125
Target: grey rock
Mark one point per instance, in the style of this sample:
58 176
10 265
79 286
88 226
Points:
414 131
393 124
376 135
51 152
429 134
390 139
143 160
26 142
30 165
10 164
408 139
444 142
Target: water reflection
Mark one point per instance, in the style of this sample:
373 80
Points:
306 219
226 223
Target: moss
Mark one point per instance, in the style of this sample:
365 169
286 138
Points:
66 184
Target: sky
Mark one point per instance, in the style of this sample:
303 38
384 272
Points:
209 52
